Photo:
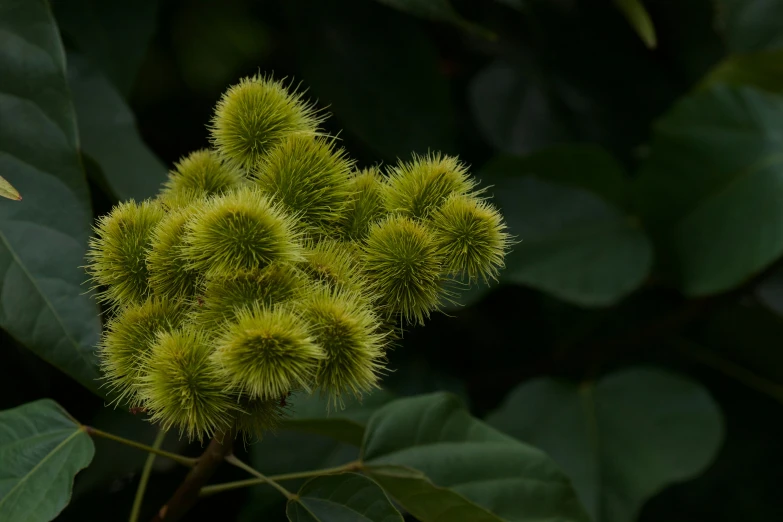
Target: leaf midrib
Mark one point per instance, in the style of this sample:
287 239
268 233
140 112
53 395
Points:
46 300
40 463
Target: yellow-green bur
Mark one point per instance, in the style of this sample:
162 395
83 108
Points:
255 115
365 206
403 268
267 352
241 230
223 298
182 387
310 178
200 174
117 253
471 237
169 272
347 330
127 340
258 416
335 264
419 187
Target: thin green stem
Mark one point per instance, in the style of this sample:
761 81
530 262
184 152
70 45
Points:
145 477
219 488
735 371
185 461
231 459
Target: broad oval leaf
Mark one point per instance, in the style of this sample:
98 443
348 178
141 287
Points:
347 497
312 414
622 439
43 302
712 186
575 243
42 448
108 132
441 464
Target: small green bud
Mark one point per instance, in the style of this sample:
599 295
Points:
255 115
271 285
241 230
309 178
116 258
202 173
169 273
183 388
365 206
346 329
127 340
419 187
471 237
268 352
403 267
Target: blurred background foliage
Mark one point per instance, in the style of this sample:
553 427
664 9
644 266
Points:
636 151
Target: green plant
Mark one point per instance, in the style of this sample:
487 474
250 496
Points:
618 159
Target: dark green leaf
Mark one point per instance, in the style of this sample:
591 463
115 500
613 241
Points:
712 186
313 414
43 239
108 131
42 448
574 244
347 497
438 10
639 18
114 35
395 100
751 25
464 469
622 439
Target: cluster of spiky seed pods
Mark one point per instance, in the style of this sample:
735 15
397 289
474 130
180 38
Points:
271 264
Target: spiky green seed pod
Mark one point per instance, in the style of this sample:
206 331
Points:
471 237
116 258
241 230
346 329
223 298
365 206
183 388
127 340
268 352
169 272
403 267
202 173
255 115
419 187
309 177
334 264
258 416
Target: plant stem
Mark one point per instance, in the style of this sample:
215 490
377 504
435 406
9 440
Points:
145 476
231 459
187 493
218 488
185 461
735 371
